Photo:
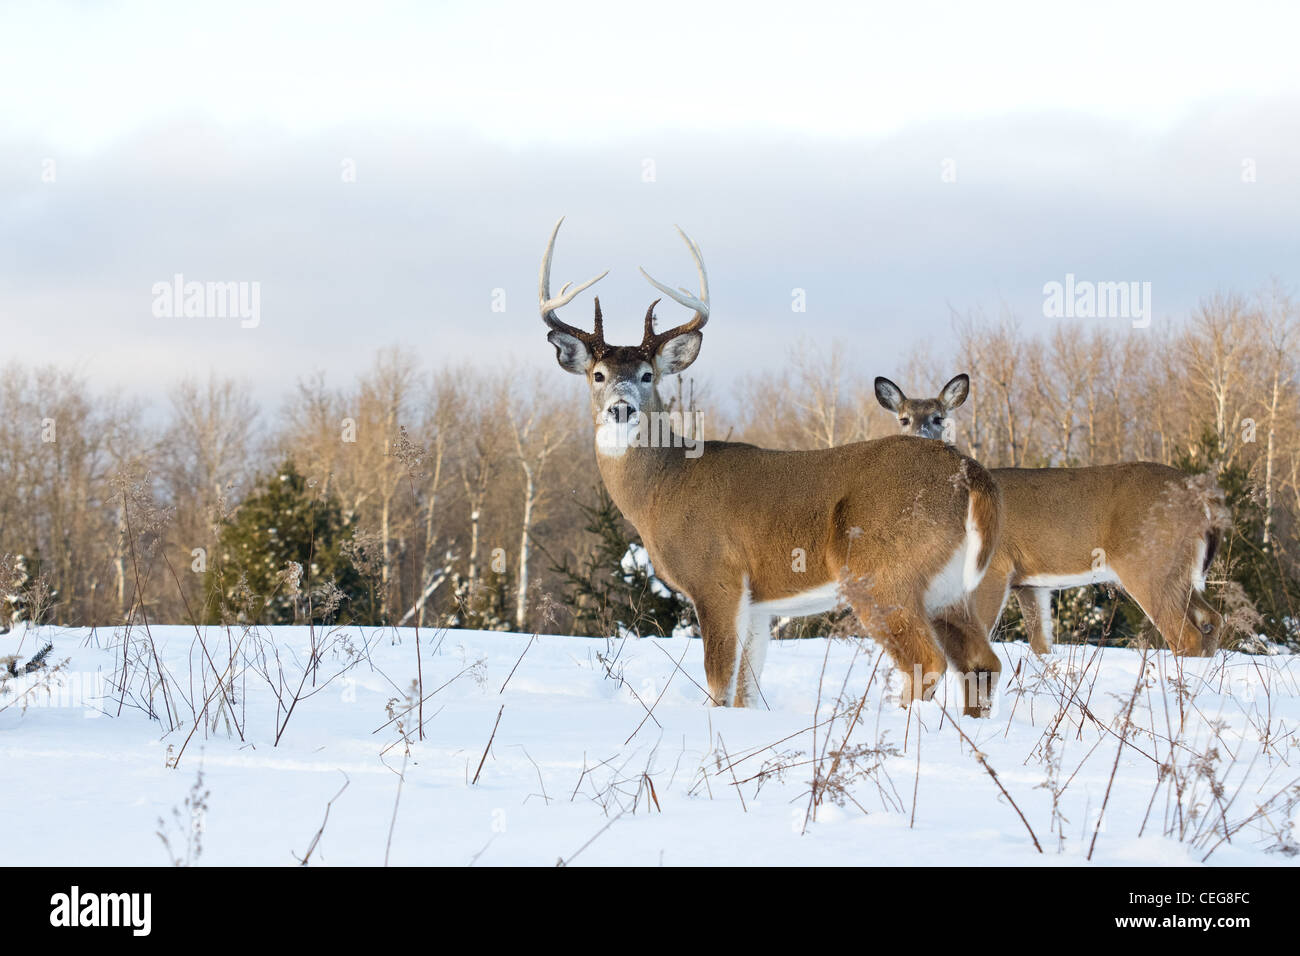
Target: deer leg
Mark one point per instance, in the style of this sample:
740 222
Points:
755 632
986 602
965 641
1036 609
719 613
966 631
910 640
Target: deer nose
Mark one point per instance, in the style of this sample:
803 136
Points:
621 411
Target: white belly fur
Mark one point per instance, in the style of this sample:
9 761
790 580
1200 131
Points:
1058 582
816 601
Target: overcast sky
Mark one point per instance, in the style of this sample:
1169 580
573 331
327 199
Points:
802 145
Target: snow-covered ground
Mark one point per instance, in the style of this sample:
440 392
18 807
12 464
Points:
605 753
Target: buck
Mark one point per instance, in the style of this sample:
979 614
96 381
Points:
1146 527
900 528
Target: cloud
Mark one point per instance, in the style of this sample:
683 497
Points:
440 217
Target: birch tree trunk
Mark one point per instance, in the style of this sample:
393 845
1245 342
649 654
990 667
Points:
521 597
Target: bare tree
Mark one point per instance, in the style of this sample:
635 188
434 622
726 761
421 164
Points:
206 454
1216 355
541 426
1279 320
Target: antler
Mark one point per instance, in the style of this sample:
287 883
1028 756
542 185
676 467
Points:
651 340
594 340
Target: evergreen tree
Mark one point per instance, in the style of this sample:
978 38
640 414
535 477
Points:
25 593
285 521
482 607
17 579
614 587
1255 566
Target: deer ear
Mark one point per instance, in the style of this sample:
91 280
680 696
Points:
955 392
678 352
570 352
889 394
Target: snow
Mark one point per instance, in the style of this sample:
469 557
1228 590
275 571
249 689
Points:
637 559
83 786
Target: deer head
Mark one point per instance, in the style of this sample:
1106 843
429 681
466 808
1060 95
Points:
926 417
623 378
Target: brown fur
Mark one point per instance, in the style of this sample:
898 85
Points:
1147 519
881 518
883 523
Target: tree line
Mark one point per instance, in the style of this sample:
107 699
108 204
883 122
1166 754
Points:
470 497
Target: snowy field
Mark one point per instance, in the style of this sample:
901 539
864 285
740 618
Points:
605 753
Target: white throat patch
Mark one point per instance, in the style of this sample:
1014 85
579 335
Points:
615 438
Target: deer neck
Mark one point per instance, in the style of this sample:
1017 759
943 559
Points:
639 466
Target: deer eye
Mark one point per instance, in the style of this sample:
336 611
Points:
647 377
598 377
904 422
